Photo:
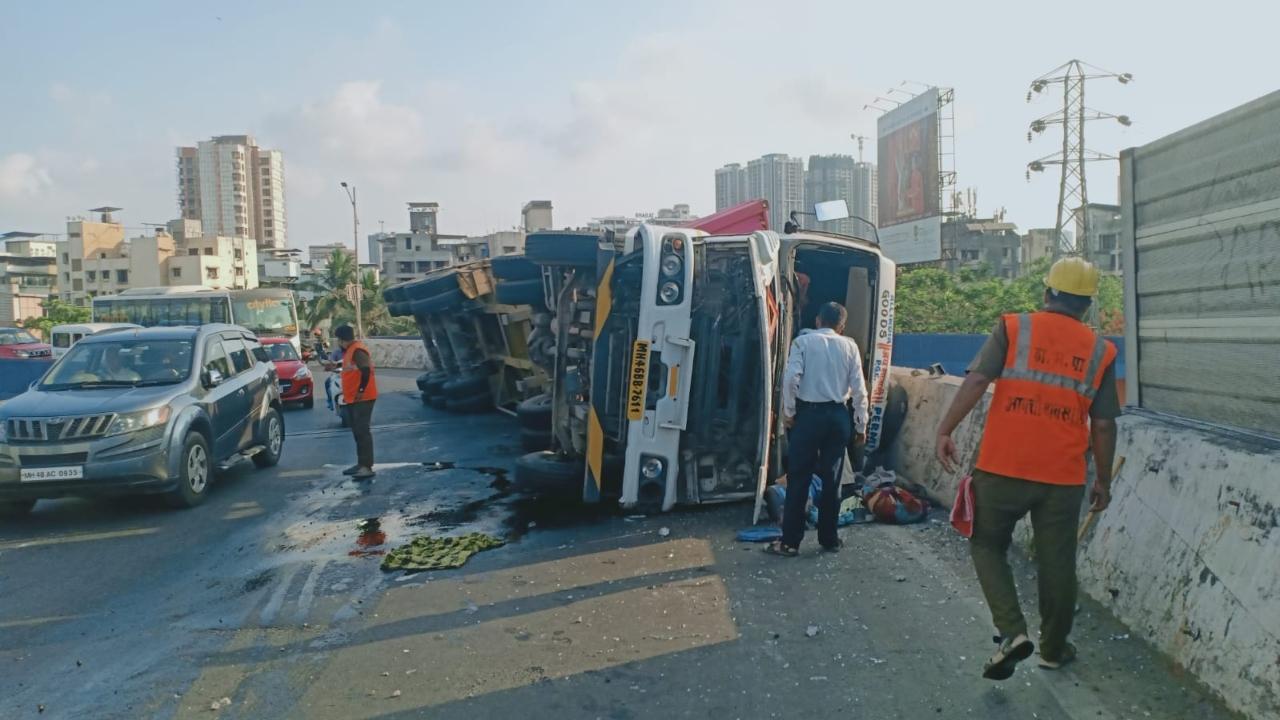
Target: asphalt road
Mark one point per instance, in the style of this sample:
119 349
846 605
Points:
254 603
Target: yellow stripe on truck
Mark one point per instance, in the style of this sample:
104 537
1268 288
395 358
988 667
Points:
604 299
595 433
595 446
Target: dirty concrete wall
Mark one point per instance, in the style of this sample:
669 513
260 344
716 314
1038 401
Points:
1187 554
407 353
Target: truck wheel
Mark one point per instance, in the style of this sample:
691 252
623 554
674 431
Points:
535 414
514 267
400 308
549 473
272 440
521 292
16 508
478 403
431 286
534 440
194 472
562 248
446 300
465 386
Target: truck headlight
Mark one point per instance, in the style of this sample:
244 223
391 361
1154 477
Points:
652 468
132 422
672 265
669 293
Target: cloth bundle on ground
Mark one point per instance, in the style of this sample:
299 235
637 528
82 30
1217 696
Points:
890 503
432 553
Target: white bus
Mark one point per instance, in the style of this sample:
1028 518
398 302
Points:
268 312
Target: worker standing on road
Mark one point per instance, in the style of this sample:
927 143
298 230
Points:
1055 394
359 391
823 379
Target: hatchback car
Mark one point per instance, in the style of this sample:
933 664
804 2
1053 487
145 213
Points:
152 410
16 343
296 383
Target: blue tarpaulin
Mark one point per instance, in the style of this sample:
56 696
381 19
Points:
955 352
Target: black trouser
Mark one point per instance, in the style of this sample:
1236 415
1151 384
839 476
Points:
360 415
815 446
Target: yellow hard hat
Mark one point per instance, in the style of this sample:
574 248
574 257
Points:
1073 275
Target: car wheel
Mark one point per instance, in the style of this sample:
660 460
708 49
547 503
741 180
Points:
514 267
195 470
309 403
272 440
534 440
521 292
562 248
16 508
478 403
535 414
549 473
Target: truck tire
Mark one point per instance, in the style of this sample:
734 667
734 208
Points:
443 302
534 440
549 473
478 403
521 292
515 267
535 414
400 308
431 286
272 440
195 472
395 294
16 508
562 248
465 386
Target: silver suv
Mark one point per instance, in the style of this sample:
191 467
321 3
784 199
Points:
143 411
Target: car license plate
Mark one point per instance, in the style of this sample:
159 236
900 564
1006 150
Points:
70 472
639 380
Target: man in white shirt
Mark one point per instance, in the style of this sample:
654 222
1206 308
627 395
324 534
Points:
822 382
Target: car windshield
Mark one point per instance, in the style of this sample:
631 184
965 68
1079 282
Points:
281 351
16 337
125 363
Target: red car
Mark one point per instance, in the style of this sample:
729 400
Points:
296 385
20 344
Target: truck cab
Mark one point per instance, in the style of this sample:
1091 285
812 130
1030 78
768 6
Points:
695 336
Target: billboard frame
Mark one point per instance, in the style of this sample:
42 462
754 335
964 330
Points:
918 239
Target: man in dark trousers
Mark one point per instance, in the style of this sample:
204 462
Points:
1055 401
822 381
359 391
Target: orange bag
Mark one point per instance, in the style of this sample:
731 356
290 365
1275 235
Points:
962 508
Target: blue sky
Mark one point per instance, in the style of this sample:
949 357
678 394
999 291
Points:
601 107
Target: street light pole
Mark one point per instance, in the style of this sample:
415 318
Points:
355 241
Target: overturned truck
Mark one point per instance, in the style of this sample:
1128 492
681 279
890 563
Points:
665 349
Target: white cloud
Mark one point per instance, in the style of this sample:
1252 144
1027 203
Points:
357 127
22 176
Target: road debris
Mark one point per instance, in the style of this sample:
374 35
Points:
812 631
217 705
432 553
664 532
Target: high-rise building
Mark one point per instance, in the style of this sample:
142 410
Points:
864 203
831 177
779 180
731 186
234 188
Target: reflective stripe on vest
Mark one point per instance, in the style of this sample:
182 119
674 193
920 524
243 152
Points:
1022 360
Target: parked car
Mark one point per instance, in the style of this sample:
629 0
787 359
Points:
152 410
62 337
296 383
16 343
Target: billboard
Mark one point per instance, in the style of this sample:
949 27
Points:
908 194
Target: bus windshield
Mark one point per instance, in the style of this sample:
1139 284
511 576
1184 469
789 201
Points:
266 315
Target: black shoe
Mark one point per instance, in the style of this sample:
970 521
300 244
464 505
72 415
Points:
351 470
1012 651
839 545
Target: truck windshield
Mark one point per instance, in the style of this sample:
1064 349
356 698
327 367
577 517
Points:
124 363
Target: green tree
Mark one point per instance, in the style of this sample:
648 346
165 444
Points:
332 304
56 312
932 300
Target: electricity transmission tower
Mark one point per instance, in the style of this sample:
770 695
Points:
1074 115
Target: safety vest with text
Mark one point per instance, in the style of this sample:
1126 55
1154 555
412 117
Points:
351 375
1038 425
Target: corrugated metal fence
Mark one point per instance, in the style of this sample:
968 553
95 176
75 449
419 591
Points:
1201 214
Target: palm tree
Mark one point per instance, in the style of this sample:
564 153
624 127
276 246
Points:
332 304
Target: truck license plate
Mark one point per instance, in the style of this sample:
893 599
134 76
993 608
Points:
71 472
639 380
